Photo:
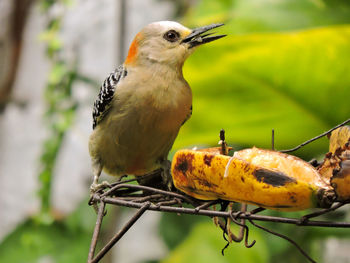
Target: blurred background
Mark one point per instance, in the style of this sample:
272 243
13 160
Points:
285 65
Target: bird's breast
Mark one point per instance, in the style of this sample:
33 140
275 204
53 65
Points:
168 106
154 99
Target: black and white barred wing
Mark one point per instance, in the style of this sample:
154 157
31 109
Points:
105 96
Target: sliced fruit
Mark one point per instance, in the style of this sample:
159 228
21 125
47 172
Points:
265 178
288 164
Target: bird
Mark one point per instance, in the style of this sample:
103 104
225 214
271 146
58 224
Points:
142 105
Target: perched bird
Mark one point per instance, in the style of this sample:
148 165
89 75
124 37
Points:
144 102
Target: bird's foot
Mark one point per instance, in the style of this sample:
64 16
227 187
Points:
166 175
95 187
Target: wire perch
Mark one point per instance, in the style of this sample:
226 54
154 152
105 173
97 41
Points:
146 198
316 138
156 202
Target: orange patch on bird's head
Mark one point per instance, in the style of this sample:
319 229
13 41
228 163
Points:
132 54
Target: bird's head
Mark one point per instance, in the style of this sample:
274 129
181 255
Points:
168 42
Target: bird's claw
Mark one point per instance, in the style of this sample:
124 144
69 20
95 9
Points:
95 187
166 175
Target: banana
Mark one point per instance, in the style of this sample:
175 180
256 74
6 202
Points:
340 180
255 176
336 165
339 138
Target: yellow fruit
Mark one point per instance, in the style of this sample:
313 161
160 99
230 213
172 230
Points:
264 178
339 138
341 180
336 165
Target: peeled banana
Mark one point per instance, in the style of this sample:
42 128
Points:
265 178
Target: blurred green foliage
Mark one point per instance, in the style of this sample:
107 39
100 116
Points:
45 238
173 236
296 82
204 243
60 103
250 16
57 241
283 66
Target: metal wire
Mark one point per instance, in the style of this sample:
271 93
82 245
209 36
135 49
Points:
284 237
165 201
146 198
316 138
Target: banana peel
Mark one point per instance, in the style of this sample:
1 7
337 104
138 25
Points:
339 139
335 168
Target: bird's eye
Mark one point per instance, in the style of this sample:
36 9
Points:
171 36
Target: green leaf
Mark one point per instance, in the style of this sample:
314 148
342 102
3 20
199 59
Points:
49 240
297 83
244 16
174 236
205 242
57 73
32 243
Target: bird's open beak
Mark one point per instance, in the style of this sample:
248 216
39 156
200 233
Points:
196 37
